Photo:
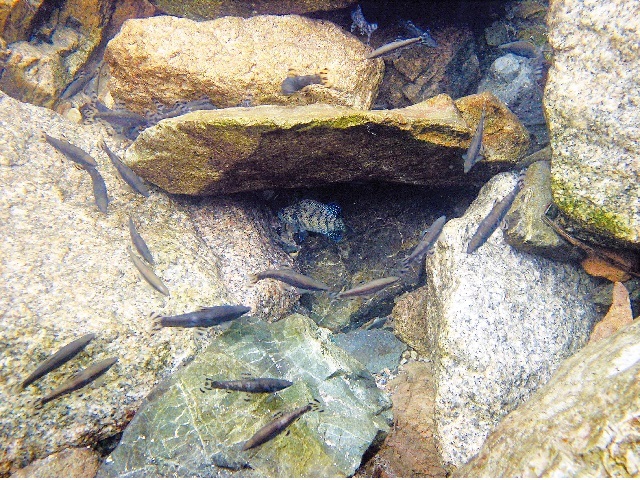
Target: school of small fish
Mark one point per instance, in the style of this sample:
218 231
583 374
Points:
300 218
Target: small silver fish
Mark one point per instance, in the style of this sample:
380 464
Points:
312 216
139 243
128 175
474 153
489 224
271 430
522 48
251 385
73 153
59 358
203 318
424 39
294 83
369 288
79 380
425 244
148 274
292 278
99 189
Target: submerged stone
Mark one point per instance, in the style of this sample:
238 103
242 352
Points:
375 349
186 430
244 149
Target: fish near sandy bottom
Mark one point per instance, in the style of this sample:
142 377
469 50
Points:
369 288
148 274
313 216
205 317
293 278
475 151
294 83
250 385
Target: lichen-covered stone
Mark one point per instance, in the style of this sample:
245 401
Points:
593 125
496 324
163 59
66 272
583 423
209 10
185 431
241 149
525 229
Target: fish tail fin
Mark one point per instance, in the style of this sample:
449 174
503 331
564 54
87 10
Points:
324 76
37 404
17 389
253 278
156 321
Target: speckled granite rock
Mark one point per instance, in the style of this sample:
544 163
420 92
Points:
496 323
162 59
70 462
185 431
572 427
198 10
525 229
66 272
240 149
375 349
592 119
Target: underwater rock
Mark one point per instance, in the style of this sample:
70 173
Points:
162 59
572 427
525 229
243 149
16 18
65 273
496 324
185 431
592 120
375 349
515 81
198 10
70 462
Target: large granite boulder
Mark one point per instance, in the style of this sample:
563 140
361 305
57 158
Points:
242 149
162 59
66 272
593 117
496 323
583 423
188 430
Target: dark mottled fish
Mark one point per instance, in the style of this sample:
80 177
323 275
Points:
148 274
179 108
426 243
474 154
59 358
271 430
369 288
361 24
121 118
99 189
312 216
424 39
206 317
489 224
128 175
251 385
139 243
72 152
292 278
294 83
79 380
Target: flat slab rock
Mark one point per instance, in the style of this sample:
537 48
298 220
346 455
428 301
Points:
244 149
188 432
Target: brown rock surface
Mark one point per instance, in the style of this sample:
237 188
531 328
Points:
163 59
71 462
244 149
617 317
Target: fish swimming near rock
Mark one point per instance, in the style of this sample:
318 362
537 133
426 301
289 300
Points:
128 175
474 153
425 244
361 24
203 318
294 83
148 274
424 39
250 385
73 153
369 288
59 358
293 278
99 189
139 243
313 216
79 380
489 224
271 430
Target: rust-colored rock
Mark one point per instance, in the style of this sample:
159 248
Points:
70 462
617 317
163 59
